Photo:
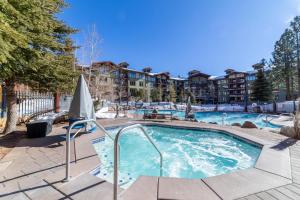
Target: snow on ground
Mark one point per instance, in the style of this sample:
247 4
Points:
104 114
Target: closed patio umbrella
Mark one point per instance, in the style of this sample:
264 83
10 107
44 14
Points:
82 104
188 107
82 107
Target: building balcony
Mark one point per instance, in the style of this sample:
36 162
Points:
236 95
236 89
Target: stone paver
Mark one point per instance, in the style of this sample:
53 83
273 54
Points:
144 187
175 188
87 186
245 182
275 161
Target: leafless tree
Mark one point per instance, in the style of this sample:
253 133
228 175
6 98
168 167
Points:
91 48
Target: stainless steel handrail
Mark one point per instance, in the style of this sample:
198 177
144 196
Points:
68 140
117 151
224 115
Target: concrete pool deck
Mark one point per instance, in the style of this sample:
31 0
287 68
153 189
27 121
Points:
35 168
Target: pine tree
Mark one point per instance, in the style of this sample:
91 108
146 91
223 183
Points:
33 49
283 60
155 95
172 93
295 26
261 88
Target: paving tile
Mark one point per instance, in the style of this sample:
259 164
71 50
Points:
27 183
9 189
4 165
245 182
188 189
43 191
18 196
145 187
275 161
87 187
12 175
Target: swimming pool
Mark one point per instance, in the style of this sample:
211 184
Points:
187 153
216 117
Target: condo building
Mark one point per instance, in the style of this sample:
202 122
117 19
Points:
236 85
222 89
198 85
117 82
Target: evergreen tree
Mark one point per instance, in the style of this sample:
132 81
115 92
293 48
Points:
181 95
155 95
283 61
35 49
295 26
140 95
172 93
261 88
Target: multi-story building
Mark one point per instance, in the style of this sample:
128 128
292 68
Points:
117 82
178 84
162 84
198 85
236 86
250 78
212 90
222 89
103 83
137 85
114 82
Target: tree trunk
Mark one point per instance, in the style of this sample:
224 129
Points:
292 86
287 81
56 102
288 88
12 115
298 62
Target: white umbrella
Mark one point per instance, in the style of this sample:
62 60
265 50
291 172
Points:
82 104
188 107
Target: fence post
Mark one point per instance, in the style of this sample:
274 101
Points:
3 102
274 107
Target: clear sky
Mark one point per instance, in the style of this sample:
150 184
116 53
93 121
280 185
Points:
180 35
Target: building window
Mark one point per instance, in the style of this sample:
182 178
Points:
141 84
132 75
132 91
141 76
132 83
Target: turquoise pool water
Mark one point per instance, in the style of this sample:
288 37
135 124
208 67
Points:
230 117
187 153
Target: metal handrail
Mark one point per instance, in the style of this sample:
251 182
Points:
68 140
117 152
224 115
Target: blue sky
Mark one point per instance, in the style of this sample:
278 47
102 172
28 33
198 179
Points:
181 35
